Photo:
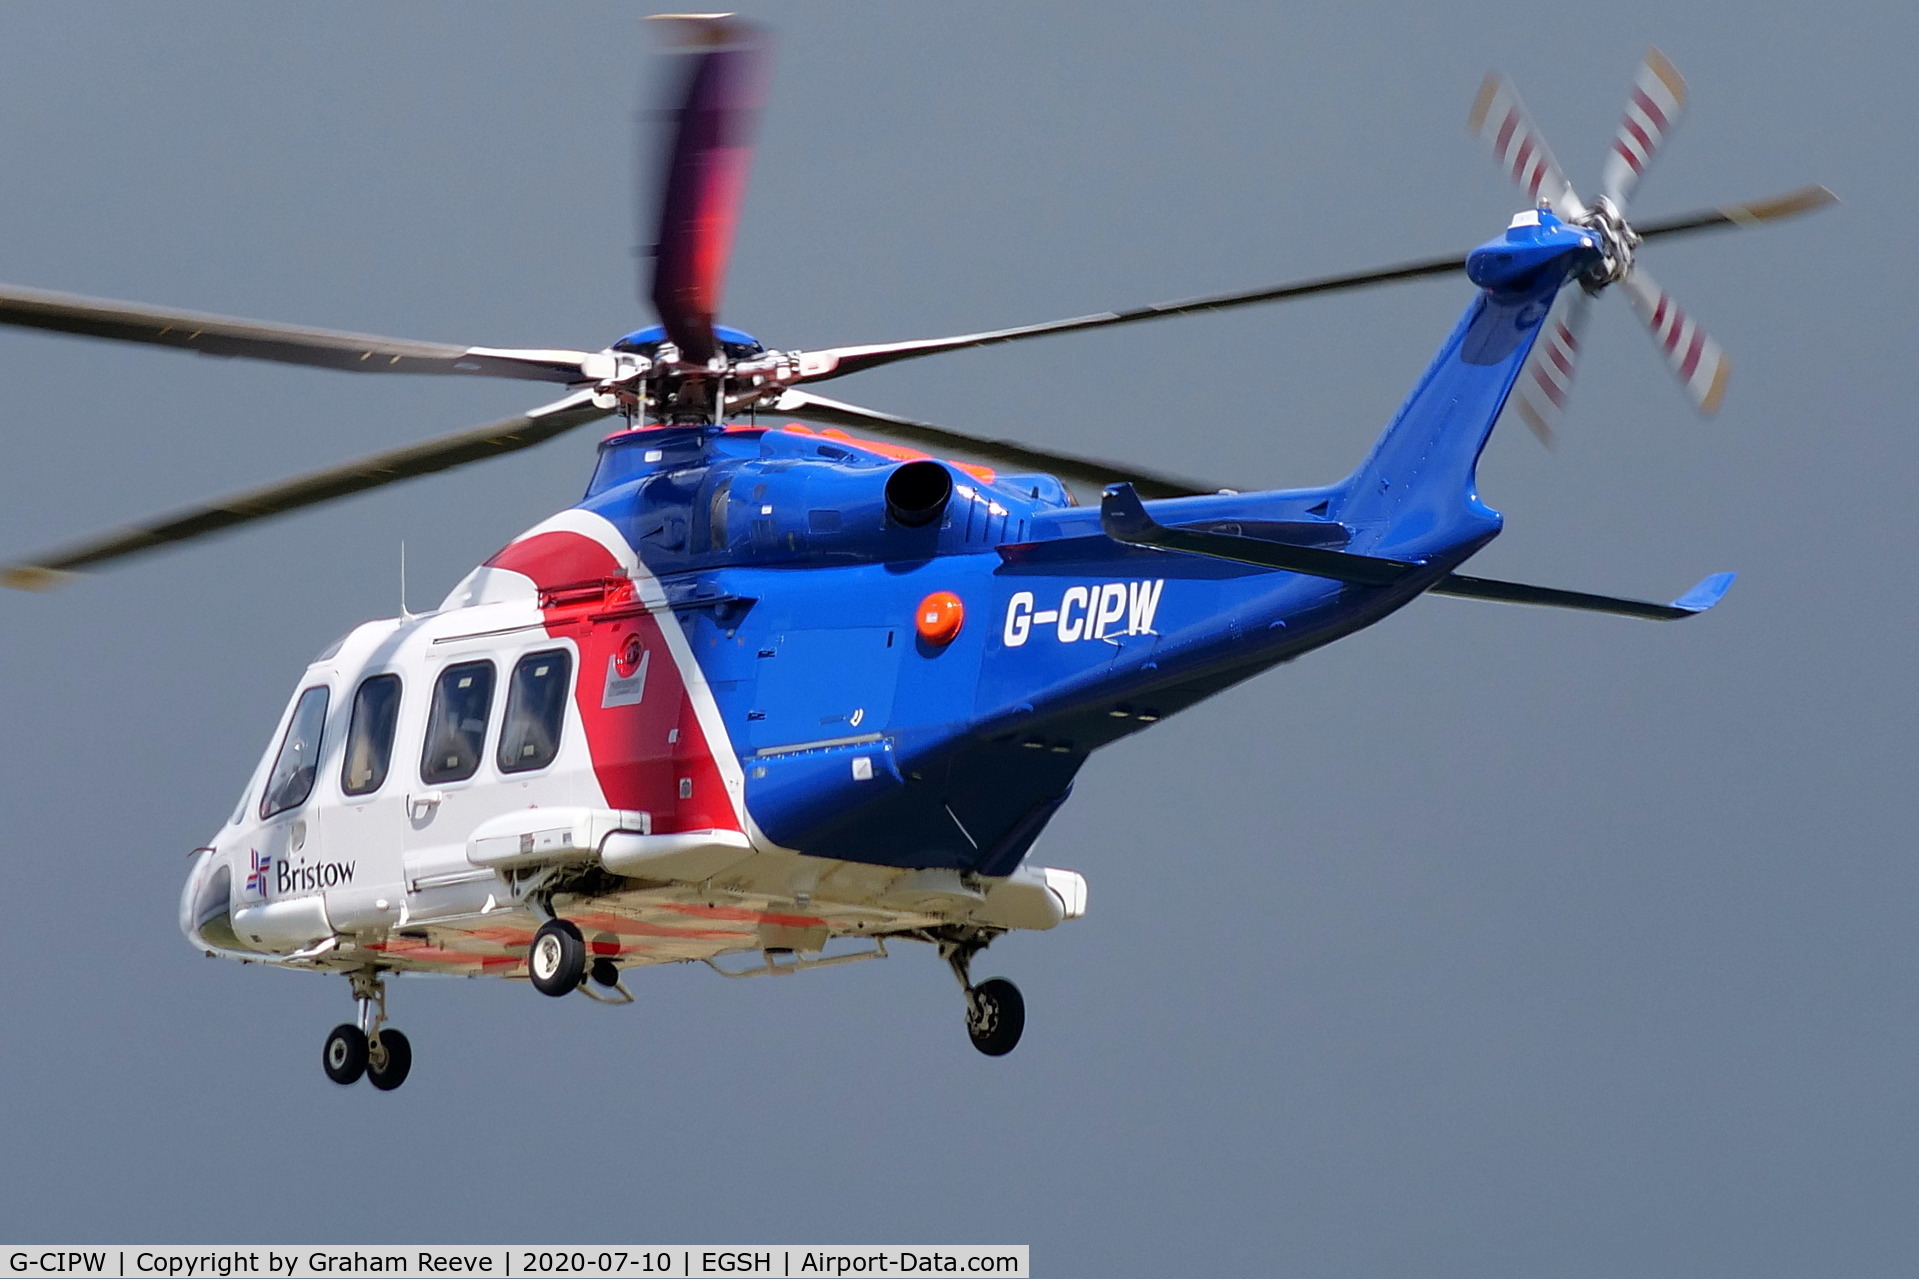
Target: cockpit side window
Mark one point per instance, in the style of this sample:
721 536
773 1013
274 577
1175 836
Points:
456 725
369 735
535 711
295 767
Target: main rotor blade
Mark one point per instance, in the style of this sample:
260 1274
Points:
47 571
704 178
265 340
1751 213
833 362
1003 453
839 361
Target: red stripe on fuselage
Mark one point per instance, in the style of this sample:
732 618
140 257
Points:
652 755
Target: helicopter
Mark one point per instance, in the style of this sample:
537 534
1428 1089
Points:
772 697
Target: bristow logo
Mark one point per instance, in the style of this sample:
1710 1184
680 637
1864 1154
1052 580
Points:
307 879
257 876
1092 612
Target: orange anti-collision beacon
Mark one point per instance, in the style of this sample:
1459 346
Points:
939 617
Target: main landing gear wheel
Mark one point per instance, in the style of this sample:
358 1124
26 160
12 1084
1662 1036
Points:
995 1016
345 1054
388 1059
557 959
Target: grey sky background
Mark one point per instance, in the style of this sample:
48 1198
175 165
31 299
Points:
1491 941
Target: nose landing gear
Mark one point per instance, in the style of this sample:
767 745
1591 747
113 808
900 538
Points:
384 1056
344 1057
995 1010
389 1059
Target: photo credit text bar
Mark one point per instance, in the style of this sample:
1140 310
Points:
550 1261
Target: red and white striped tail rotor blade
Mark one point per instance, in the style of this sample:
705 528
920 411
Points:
1547 381
1653 108
1500 119
1696 359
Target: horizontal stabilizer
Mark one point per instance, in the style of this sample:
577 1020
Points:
1123 517
1697 600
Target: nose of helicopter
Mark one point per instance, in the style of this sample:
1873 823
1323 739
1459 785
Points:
206 900
1534 243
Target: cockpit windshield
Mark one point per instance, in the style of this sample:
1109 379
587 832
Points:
294 768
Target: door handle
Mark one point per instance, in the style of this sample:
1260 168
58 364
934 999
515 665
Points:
423 804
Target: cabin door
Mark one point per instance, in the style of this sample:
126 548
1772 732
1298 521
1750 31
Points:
366 805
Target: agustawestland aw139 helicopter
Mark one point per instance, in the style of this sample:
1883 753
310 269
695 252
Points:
773 698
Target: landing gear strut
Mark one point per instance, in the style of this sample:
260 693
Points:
995 1010
368 1048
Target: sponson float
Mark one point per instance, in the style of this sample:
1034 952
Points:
773 698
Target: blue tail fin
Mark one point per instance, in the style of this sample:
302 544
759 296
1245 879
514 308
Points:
1415 493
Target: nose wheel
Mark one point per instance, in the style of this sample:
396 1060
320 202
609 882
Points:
389 1058
344 1057
367 1048
995 1010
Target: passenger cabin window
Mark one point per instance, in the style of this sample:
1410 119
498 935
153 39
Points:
291 780
369 735
456 726
535 711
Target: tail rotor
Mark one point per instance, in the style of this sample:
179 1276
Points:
1547 383
1654 106
1696 360
1653 109
1499 117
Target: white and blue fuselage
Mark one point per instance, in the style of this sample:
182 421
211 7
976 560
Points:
702 712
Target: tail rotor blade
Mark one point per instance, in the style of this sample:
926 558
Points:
705 169
1653 108
1500 119
1547 383
1698 362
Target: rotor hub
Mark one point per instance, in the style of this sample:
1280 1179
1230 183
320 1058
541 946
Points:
1617 244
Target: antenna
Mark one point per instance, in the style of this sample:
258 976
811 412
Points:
404 614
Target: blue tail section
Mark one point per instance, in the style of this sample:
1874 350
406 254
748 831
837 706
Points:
1708 593
864 739
1415 494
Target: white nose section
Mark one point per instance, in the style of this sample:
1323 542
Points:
207 897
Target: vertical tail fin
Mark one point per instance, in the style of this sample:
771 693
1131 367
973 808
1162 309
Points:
1414 494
